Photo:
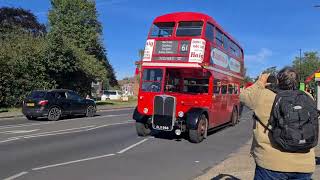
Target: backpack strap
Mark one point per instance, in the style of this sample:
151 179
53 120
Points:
265 126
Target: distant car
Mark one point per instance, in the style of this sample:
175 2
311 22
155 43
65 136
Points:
54 104
111 94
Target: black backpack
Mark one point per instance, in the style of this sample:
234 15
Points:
294 122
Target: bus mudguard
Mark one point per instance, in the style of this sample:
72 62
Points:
193 116
138 117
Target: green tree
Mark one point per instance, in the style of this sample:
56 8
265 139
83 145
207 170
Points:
76 33
22 55
18 19
308 63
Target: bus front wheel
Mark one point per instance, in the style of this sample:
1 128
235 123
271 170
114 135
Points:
197 135
142 129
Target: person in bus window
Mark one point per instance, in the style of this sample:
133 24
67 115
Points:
272 163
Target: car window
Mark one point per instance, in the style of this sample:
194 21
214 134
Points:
73 96
38 94
60 95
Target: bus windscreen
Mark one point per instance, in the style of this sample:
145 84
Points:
192 28
162 29
152 80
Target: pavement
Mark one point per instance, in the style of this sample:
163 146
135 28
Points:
241 165
106 147
99 108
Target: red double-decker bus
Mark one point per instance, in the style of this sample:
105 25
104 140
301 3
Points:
190 77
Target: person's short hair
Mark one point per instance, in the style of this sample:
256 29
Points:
288 79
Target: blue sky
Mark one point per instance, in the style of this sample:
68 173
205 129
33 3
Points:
271 32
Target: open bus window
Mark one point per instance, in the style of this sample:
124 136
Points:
192 28
216 86
224 89
230 88
151 81
192 85
236 87
163 29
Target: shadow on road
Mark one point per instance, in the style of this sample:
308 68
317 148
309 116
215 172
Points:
170 135
225 177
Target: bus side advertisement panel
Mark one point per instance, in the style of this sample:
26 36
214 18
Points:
223 60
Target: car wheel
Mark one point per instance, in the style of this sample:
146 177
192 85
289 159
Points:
197 135
91 111
234 117
54 114
31 118
142 129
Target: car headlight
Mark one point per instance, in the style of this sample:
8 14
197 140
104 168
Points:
145 110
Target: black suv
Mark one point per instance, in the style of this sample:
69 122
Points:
56 103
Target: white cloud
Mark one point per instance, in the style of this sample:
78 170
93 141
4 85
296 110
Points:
260 57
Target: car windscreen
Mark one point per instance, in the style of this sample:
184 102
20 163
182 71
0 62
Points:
189 28
152 79
37 94
162 29
112 93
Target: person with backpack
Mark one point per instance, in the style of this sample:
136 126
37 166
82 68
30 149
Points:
285 127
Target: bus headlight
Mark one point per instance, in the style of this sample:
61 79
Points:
180 114
145 110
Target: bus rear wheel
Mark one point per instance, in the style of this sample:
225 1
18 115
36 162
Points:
197 135
142 129
234 117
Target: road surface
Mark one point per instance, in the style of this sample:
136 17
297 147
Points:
107 147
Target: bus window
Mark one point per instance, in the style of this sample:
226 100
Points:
230 89
192 28
152 79
226 43
216 86
192 85
219 38
209 32
224 89
163 29
236 88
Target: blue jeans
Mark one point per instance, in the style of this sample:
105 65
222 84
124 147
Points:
265 174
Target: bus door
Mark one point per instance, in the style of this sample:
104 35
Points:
216 103
224 104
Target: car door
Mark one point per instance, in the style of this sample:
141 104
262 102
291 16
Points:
63 102
77 104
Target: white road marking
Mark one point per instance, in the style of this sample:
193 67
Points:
132 146
119 109
24 125
10 139
72 162
52 134
106 125
67 120
19 131
16 175
59 132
